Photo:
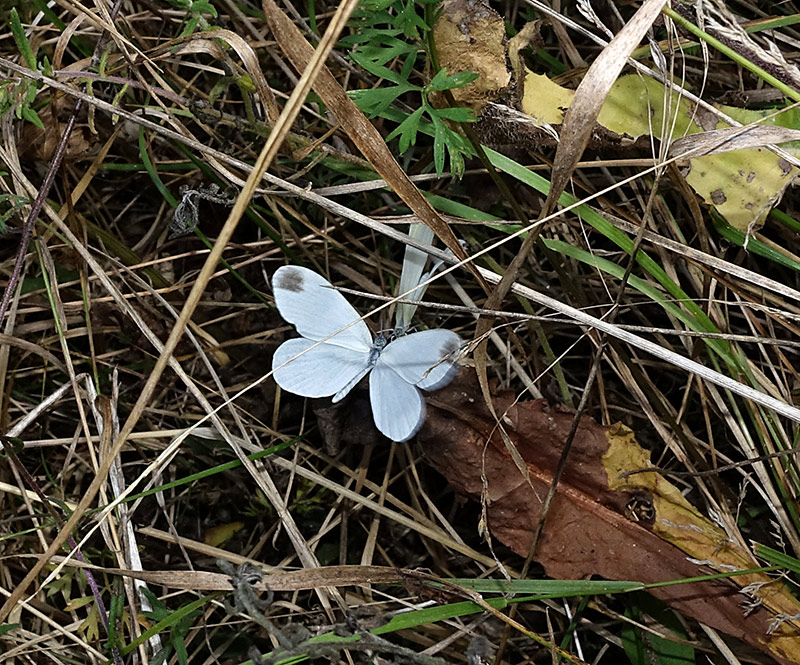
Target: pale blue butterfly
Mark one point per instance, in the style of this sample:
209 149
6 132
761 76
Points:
399 367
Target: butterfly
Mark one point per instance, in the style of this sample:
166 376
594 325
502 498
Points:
398 367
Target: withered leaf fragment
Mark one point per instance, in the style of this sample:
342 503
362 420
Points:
637 528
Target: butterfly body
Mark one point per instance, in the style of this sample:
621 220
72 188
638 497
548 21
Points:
336 350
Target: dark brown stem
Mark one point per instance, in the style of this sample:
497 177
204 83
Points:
27 227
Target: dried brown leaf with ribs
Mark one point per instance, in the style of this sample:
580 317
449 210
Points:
637 527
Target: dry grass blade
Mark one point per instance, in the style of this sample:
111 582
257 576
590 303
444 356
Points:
250 60
299 580
222 486
68 527
579 121
358 128
718 141
578 125
269 151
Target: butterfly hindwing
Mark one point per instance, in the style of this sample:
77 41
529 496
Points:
397 406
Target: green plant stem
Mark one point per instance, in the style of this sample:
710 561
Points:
776 83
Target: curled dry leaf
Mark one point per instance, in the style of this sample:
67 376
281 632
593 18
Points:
580 118
471 37
716 141
637 528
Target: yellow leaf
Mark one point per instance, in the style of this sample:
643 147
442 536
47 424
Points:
678 522
219 535
743 185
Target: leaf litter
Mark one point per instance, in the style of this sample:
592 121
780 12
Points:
642 512
743 183
601 522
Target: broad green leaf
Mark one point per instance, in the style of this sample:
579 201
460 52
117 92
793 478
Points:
376 69
385 50
442 81
369 36
203 7
439 142
21 40
410 22
31 116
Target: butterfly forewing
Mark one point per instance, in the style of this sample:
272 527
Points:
321 371
317 310
425 359
397 406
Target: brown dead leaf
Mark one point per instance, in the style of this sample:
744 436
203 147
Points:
346 423
471 37
39 145
639 528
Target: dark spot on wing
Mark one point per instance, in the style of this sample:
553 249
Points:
449 348
290 279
